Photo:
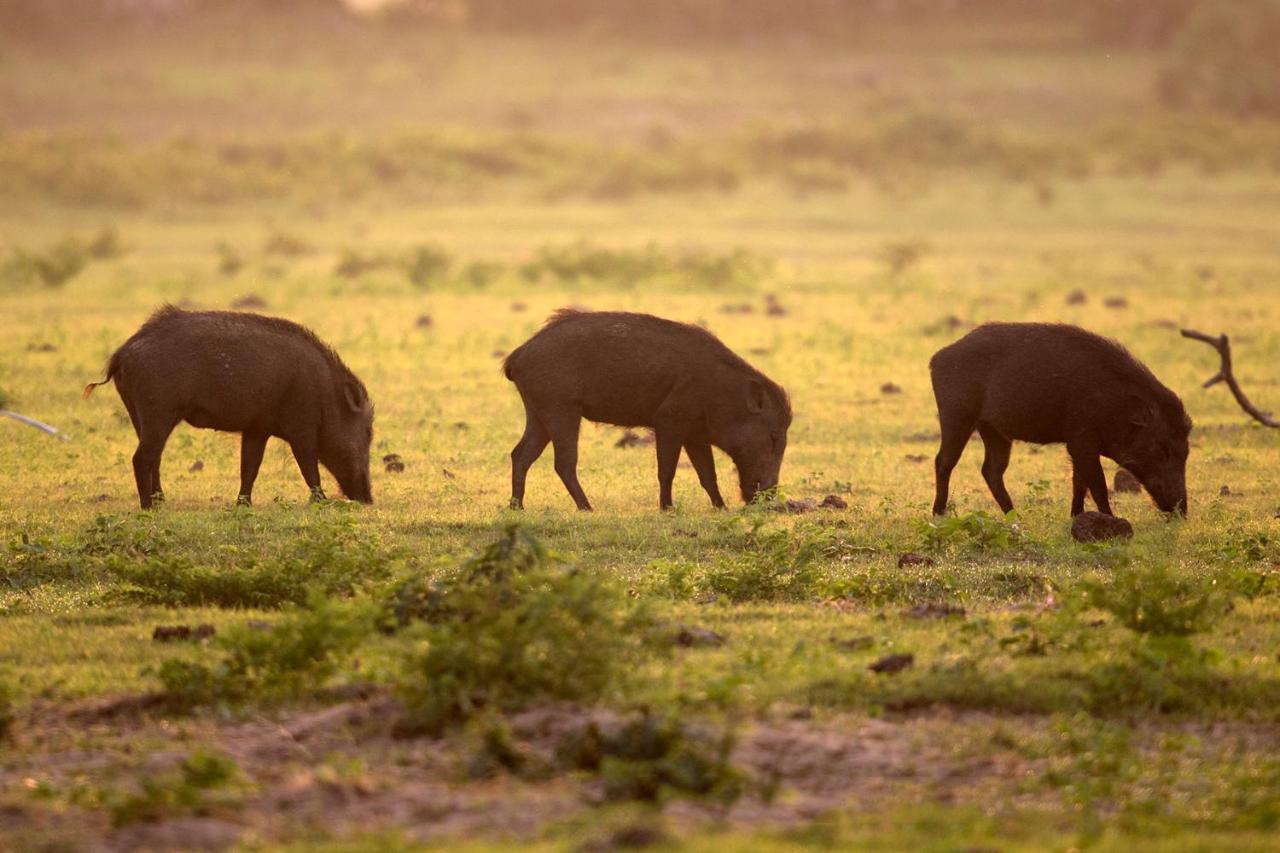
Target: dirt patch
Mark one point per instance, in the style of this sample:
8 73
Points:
834 502
1077 297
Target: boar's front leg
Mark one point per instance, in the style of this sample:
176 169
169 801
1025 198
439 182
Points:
1087 475
252 447
668 458
304 452
705 465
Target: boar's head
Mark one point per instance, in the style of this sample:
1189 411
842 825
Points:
751 426
1154 446
345 437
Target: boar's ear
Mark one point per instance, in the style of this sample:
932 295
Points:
755 396
353 394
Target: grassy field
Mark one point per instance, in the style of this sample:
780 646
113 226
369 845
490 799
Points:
1121 696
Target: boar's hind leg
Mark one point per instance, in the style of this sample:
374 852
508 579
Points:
954 438
252 447
524 454
1087 475
146 459
705 465
563 429
994 464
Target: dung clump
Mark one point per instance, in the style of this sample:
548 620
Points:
1096 527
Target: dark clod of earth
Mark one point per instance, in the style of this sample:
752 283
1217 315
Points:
424 321
393 462
935 610
1116 302
738 308
1226 492
518 306
1096 527
772 307
892 664
635 439
799 506
1077 297
834 502
915 457
198 465
890 388
1126 482
694 637
854 644
42 347
174 633
910 559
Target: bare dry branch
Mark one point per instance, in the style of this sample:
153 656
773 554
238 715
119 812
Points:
43 427
1223 345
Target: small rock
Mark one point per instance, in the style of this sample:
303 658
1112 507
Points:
772 306
1096 527
854 644
424 321
499 353
915 457
1077 297
1116 302
890 388
42 347
799 506
910 559
891 664
1126 482
393 463
693 637
935 610
172 633
518 307
249 300
198 465
834 502
635 439
1226 492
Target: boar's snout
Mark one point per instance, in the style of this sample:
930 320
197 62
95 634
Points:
753 483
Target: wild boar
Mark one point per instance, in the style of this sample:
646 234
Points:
246 373
637 370
1047 383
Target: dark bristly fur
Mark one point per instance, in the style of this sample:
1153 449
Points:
246 373
1048 383
636 370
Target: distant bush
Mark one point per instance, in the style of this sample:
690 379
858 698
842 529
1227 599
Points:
510 629
427 266
585 261
1227 59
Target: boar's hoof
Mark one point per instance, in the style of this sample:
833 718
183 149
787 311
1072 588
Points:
244 500
1126 482
516 503
1096 527
318 495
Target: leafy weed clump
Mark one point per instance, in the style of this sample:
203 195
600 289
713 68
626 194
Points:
512 628
974 531
656 758
775 566
296 655
202 784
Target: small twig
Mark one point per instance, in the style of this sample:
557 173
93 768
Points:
1224 374
43 427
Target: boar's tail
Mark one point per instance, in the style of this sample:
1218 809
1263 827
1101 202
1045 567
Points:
113 367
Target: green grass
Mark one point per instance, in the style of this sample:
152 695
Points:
1099 734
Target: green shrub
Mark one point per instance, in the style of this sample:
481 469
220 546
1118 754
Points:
512 628
1153 602
774 566
296 655
202 783
654 758
978 531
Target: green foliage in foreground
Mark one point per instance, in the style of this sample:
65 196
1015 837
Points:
514 628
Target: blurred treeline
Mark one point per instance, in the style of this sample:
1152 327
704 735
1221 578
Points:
1223 55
